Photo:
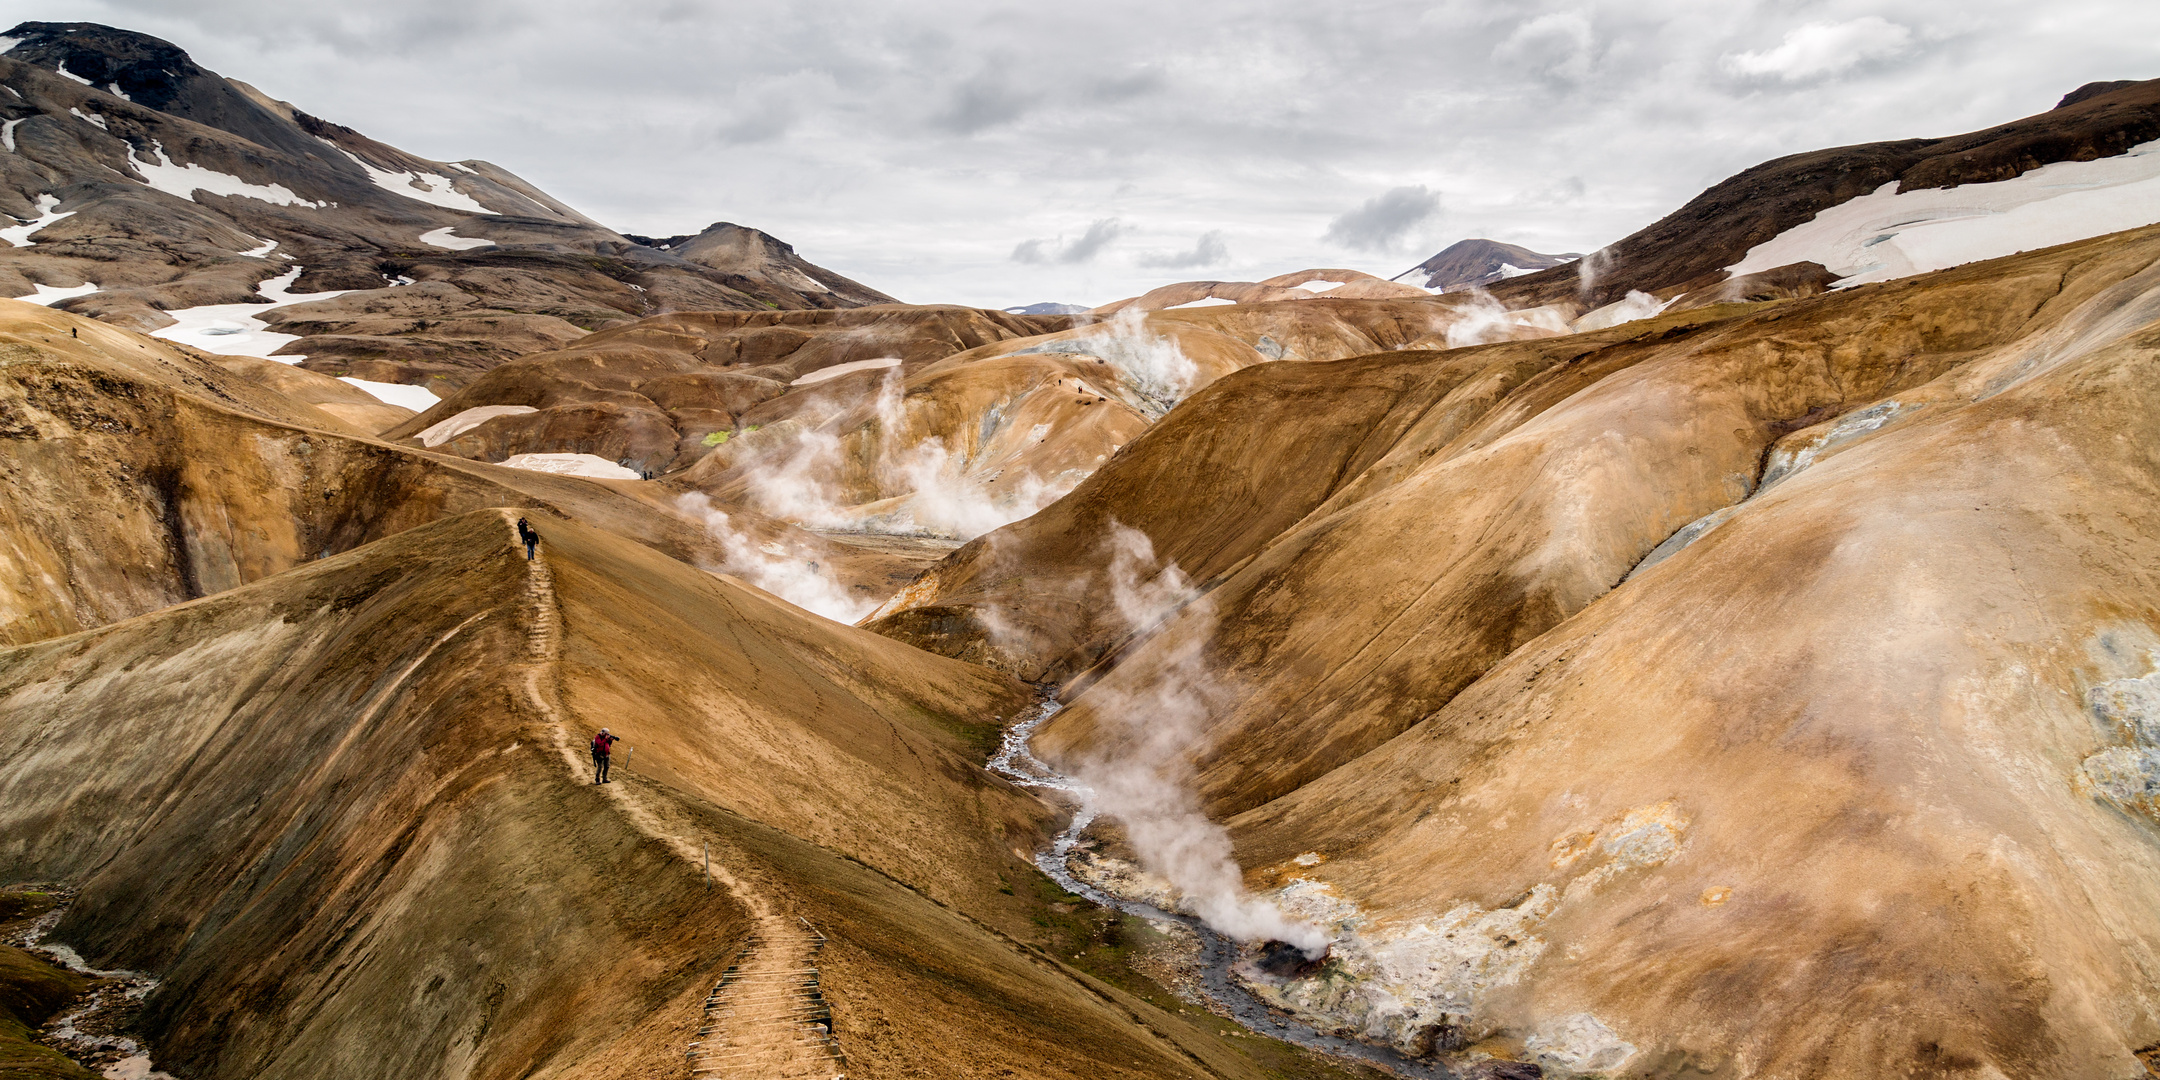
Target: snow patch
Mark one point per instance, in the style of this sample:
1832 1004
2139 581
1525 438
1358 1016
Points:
424 187
1889 234
1635 305
443 238
19 236
1211 301
417 398
587 465
233 329
185 180
49 295
114 90
837 370
262 252
1319 286
7 45
90 117
7 134
446 430
61 67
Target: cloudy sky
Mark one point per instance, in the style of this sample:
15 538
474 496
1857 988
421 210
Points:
998 154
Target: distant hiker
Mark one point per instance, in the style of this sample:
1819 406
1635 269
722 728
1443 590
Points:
72 333
602 744
529 535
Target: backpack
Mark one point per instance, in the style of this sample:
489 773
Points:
600 744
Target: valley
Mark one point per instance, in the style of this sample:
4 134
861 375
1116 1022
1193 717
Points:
1731 652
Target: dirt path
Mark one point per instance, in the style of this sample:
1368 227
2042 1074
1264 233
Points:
766 1017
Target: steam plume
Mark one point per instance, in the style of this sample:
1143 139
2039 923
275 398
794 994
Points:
791 576
1146 780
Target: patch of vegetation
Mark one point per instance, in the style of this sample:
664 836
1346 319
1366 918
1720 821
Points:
716 438
31 991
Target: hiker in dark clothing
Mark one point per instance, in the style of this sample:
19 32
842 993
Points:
529 535
602 745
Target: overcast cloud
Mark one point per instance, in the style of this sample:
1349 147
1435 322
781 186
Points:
1001 154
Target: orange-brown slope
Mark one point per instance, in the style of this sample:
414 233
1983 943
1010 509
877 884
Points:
1899 711
343 813
141 475
667 389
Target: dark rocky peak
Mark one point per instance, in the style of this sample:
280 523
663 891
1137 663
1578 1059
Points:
152 73
1471 263
2092 90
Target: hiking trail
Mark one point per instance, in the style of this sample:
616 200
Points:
766 1017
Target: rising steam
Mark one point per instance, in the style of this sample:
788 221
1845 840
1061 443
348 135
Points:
1484 320
1145 780
792 576
801 482
1150 365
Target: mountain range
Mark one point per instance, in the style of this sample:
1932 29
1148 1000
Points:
1733 652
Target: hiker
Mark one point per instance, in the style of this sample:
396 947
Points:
529 535
602 745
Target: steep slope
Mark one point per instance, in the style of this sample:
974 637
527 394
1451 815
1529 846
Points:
1691 247
160 186
141 475
340 811
1877 735
1468 264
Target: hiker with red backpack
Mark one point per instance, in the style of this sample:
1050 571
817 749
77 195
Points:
602 744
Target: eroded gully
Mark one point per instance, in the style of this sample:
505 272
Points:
1220 958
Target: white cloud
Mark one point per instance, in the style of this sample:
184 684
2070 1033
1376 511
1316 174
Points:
1820 49
910 146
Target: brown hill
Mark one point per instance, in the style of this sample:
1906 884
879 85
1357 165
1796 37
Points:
165 185
141 475
363 825
1690 247
1890 675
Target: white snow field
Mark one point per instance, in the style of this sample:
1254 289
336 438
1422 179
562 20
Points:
1318 286
590 465
7 133
92 118
443 238
186 180
233 329
61 67
417 398
443 431
422 186
837 370
262 252
1211 301
1886 234
19 235
49 295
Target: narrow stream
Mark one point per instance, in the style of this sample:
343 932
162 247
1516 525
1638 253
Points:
1218 955
116 1057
